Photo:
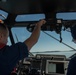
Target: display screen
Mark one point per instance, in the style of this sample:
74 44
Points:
52 68
55 67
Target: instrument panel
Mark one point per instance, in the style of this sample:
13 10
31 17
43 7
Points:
43 64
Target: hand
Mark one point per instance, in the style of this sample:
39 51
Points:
40 23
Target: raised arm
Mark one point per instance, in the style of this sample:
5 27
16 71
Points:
32 40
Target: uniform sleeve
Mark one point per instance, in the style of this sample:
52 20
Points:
72 67
23 50
17 51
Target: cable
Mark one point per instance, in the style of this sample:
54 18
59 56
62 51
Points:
59 40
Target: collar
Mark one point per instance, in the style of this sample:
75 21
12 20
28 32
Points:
2 45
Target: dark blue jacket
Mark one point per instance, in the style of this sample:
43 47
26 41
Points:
10 55
72 67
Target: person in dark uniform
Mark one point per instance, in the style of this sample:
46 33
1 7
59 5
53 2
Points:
72 63
10 55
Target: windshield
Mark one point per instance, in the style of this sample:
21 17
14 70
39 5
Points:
45 43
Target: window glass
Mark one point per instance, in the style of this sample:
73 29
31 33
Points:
45 42
9 42
4 14
30 17
67 16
